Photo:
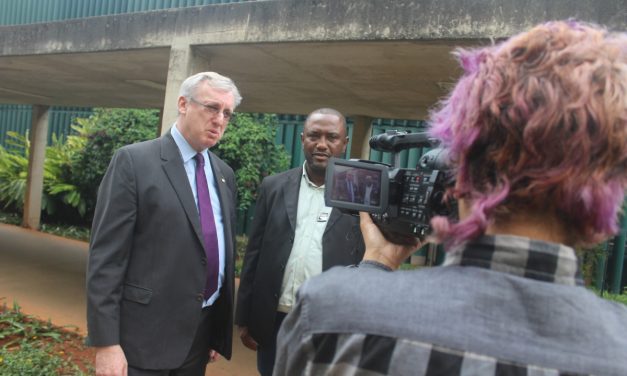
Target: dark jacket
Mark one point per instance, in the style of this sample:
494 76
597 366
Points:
269 247
146 270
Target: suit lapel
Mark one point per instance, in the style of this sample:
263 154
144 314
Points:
174 170
335 215
290 193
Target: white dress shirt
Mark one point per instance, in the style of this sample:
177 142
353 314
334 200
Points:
305 259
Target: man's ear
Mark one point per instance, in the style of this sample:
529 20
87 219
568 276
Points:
345 145
182 105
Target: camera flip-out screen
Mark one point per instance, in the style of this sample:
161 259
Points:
356 185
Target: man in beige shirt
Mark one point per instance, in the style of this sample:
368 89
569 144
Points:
294 236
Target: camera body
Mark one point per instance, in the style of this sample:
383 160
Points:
400 200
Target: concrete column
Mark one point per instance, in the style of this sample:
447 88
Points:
35 178
183 63
362 129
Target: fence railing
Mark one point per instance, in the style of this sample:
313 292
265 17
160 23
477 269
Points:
18 12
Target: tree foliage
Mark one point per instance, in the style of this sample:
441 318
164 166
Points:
74 166
249 147
13 171
58 190
57 171
108 130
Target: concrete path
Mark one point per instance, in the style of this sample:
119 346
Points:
45 275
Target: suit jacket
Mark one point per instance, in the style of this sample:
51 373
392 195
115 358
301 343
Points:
147 265
269 247
343 191
374 194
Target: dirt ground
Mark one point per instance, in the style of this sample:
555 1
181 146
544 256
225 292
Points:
66 343
45 274
72 348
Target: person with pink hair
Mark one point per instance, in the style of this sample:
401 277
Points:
536 133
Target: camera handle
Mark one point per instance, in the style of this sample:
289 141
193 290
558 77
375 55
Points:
394 141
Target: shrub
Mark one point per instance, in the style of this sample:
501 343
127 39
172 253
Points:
10 218
57 190
77 232
241 241
619 298
13 171
74 167
28 359
108 130
28 346
589 258
249 147
58 179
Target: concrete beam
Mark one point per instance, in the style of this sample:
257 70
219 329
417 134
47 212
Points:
304 20
383 59
35 178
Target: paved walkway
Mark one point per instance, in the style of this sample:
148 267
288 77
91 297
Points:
45 275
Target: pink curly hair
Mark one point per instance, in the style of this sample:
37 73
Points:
539 122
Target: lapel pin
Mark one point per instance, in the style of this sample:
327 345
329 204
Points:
224 181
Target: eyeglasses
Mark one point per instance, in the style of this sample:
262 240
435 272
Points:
214 109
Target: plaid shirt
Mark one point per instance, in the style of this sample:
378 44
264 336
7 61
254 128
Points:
326 335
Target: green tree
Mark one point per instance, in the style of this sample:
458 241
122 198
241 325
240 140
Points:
74 167
58 190
249 147
109 129
13 171
58 178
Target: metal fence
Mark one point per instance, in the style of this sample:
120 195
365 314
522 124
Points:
17 118
16 12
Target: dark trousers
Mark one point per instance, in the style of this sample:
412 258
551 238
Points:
197 358
266 354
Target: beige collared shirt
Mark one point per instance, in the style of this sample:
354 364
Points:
305 260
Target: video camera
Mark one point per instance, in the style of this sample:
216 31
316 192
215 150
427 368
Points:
401 200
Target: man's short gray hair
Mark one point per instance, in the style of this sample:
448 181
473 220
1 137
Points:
215 81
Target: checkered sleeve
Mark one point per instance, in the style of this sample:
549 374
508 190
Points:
293 349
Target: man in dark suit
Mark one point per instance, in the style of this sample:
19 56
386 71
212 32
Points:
349 188
160 281
370 191
293 237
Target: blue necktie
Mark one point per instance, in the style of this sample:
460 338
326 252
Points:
207 223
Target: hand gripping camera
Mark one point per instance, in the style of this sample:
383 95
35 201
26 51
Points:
401 200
